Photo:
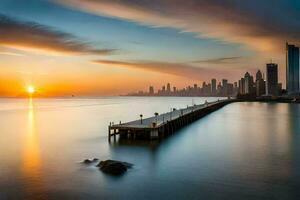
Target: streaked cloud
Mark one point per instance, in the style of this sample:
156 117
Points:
5 53
177 69
261 25
224 60
35 37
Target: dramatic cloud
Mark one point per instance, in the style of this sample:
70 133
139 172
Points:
178 69
32 36
262 25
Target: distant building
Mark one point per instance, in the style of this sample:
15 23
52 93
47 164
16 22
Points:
225 87
235 88
169 88
242 86
248 83
272 79
213 86
219 88
260 84
292 69
259 75
230 90
151 90
204 84
279 88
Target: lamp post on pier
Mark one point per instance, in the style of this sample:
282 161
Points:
156 114
141 116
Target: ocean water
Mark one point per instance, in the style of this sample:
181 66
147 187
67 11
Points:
242 151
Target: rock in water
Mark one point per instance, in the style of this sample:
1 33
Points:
89 161
114 167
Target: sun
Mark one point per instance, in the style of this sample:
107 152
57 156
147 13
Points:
30 89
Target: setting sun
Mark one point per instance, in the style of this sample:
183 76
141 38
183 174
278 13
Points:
30 89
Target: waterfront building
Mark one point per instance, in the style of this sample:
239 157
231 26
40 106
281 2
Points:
292 69
248 83
213 86
279 88
230 89
219 88
260 84
272 79
225 87
242 86
168 88
151 90
235 88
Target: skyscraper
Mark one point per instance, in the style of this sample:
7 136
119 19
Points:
235 88
260 84
272 79
259 75
168 87
151 90
213 86
292 69
163 89
248 83
225 86
242 86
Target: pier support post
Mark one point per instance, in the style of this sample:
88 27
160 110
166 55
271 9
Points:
114 134
109 133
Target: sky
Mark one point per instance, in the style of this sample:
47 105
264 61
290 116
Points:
111 47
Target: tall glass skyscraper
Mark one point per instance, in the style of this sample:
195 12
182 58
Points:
272 79
292 69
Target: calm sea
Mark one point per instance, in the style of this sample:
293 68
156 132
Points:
242 151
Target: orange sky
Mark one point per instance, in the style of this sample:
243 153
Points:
94 48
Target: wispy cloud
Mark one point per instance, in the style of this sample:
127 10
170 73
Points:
32 36
217 61
5 53
262 25
177 69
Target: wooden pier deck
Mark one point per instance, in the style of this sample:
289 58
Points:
164 124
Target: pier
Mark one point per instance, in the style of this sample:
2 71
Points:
162 125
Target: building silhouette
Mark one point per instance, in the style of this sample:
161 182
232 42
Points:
168 88
225 87
260 84
248 83
214 86
151 90
292 69
272 79
246 86
242 86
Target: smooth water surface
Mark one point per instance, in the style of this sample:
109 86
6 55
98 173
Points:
242 151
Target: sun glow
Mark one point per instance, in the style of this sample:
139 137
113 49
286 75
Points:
30 89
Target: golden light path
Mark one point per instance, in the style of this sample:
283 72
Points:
31 168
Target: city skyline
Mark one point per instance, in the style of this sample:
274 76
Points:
264 84
101 47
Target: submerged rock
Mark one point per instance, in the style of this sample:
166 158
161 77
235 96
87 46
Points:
89 161
114 167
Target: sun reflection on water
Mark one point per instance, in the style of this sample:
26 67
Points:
31 167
